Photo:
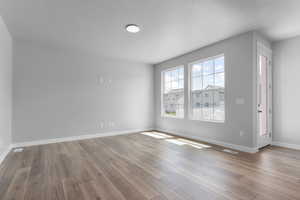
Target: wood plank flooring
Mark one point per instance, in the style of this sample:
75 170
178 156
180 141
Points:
138 167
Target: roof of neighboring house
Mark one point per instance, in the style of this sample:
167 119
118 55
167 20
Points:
176 90
210 87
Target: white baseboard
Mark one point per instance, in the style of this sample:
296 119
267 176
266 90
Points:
224 144
74 138
286 145
5 153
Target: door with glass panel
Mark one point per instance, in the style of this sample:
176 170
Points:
264 95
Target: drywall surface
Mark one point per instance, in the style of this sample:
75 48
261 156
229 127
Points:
286 97
238 126
5 87
62 93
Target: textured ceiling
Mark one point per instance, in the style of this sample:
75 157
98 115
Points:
169 27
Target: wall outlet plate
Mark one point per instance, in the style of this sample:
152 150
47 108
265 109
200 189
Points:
100 79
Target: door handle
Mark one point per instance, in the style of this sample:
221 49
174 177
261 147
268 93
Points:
260 111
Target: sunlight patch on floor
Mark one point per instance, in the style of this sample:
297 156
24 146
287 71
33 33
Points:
174 140
194 144
157 135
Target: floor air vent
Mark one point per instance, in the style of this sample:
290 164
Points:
18 150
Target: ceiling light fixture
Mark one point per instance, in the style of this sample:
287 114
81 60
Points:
132 28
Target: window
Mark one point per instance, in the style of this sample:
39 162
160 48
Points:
173 92
207 89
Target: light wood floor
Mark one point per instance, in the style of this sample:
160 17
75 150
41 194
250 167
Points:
137 167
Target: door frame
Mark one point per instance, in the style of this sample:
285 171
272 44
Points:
262 49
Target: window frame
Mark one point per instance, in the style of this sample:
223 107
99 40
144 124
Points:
190 110
162 89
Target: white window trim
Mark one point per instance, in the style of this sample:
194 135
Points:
162 113
190 115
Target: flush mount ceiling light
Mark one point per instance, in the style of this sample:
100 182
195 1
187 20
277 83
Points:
132 28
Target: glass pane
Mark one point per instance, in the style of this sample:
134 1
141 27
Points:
196 70
208 82
262 95
219 65
219 106
174 85
165 102
196 104
167 76
196 83
207 100
167 87
180 110
208 67
181 83
181 73
173 103
173 97
174 75
219 80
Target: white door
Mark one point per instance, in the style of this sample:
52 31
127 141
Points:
264 95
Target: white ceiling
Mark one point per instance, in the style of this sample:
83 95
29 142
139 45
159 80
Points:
169 27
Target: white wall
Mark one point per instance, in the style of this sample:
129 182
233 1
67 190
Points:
239 59
5 88
286 96
58 93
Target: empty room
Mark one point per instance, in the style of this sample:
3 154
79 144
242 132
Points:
149 100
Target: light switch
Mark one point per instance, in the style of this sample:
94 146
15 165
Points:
100 79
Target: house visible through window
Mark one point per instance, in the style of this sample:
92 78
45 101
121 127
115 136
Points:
207 89
173 92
